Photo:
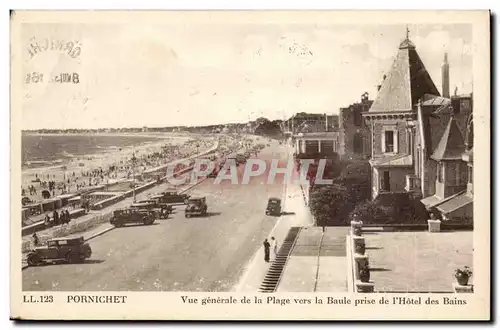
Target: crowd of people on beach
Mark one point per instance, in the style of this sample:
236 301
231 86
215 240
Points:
65 182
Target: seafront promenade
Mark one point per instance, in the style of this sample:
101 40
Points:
96 221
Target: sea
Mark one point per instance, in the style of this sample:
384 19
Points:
45 150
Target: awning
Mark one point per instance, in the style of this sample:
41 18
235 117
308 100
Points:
431 201
398 160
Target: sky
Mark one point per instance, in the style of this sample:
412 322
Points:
140 74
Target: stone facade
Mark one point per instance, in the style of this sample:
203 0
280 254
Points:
355 138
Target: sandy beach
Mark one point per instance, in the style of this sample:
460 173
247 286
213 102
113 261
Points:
86 169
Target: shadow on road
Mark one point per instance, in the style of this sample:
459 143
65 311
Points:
56 263
212 214
140 225
287 213
380 269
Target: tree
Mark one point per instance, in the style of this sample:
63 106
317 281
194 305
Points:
330 204
268 128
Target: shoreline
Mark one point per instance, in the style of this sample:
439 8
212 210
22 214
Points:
158 135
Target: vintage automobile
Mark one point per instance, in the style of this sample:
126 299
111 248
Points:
69 249
273 206
241 159
173 197
214 173
132 215
196 206
154 204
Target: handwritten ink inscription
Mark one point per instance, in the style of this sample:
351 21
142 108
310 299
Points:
71 48
66 77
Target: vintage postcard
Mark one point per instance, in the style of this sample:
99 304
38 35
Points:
260 165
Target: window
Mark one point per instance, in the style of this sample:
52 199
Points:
358 143
440 170
389 141
358 118
385 184
417 163
470 173
410 142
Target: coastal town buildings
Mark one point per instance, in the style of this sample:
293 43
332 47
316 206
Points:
418 138
354 137
314 133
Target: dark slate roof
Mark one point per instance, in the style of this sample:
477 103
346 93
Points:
451 146
406 82
434 100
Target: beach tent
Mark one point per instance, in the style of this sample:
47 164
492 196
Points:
46 194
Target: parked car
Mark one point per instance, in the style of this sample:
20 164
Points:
69 249
241 159
155 204
173 197
196 206
132 215
273 206
214 173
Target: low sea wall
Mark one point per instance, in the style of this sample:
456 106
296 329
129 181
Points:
27 230
69 229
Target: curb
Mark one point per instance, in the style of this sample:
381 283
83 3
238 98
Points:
102 232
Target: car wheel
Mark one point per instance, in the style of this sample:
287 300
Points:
151 220
87 252
33 260
187 215
118 224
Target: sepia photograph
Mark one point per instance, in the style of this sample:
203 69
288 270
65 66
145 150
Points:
288 159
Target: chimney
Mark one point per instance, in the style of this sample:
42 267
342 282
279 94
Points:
445 75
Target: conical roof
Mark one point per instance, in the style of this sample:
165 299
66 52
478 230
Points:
451 146
406 82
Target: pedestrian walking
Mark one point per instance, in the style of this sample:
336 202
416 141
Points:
47 220
35 239
68 216
274 247
266 250
55 216
62 217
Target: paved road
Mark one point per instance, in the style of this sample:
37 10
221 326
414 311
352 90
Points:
177 254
